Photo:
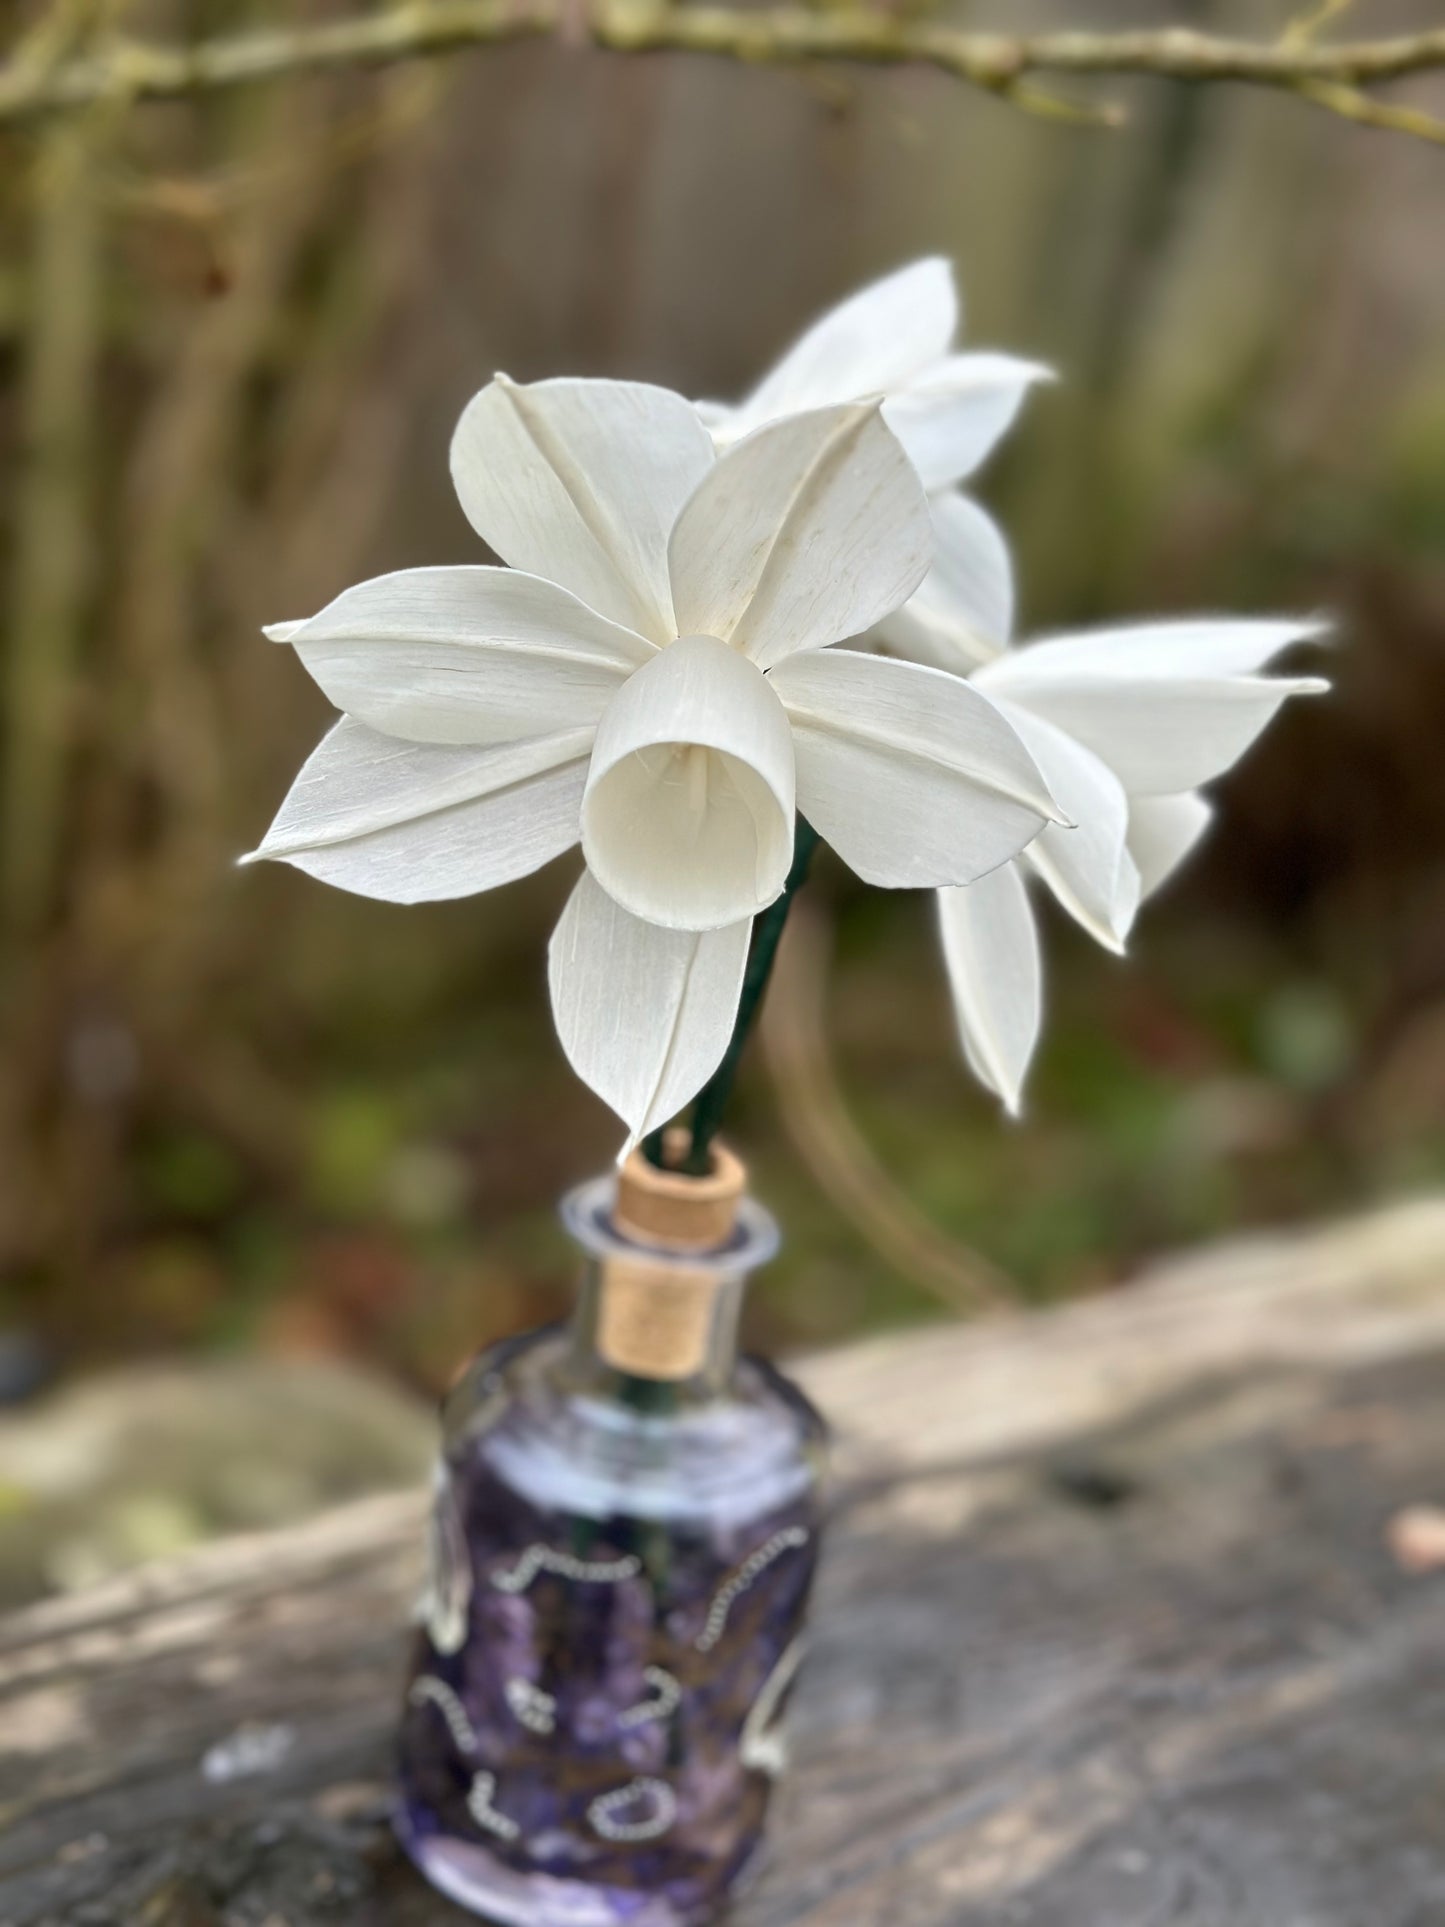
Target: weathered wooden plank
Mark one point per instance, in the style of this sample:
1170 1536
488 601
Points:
1109 1632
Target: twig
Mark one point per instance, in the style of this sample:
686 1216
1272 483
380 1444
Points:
1350 103
53 562
817 1122
129 70
52 575
1307 26
1044 105
174 486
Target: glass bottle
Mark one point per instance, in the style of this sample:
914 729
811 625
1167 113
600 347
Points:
623 1541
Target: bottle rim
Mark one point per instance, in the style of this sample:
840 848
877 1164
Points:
586 1211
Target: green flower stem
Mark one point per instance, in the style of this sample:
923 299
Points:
654 1396
767 930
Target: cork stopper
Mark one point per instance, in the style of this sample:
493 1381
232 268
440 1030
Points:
676 1212
656 1313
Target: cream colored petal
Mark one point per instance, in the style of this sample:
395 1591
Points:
416 822
581 482
961 614
688 815
466 655
914 778
951 417
991 947
870 344
807 532
1190 648
644 1014
1167 706
1162 832
1087 866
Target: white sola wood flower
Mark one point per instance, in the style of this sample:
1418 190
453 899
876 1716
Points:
894 340
650 676
1126 724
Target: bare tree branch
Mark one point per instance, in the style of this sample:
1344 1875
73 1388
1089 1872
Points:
1330 75
1352 103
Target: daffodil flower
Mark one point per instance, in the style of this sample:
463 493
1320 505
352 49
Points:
651 677
1126 724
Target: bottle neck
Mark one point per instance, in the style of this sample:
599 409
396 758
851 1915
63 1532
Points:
657 1328
655 1338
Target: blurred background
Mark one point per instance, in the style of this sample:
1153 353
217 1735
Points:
246 1120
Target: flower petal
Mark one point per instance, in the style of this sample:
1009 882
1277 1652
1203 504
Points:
1199 647
950 418
913 776
1162 832
466 655
416 822
807 532
688 814
991 947
581 482
644 1014
1087 867
873 342
961 614
1166 705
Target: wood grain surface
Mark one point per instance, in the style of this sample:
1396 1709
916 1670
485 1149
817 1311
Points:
1129 1617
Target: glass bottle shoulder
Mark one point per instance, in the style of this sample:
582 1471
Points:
531 1414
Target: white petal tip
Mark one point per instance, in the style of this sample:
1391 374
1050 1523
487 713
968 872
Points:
282 631
257 855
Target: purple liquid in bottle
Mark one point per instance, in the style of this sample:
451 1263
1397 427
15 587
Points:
619 1577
